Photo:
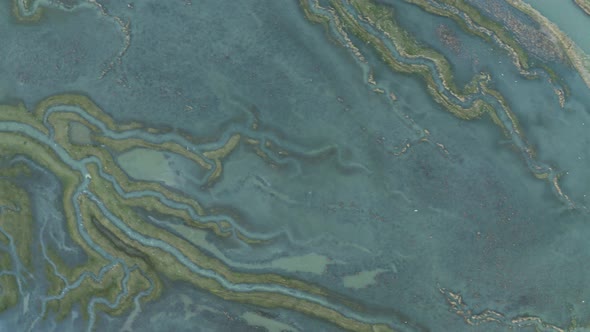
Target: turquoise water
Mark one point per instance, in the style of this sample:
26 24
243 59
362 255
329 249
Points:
344 210
568 17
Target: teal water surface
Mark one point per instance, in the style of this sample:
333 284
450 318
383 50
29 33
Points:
392 203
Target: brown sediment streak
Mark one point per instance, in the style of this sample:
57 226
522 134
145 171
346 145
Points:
455 301
414 51
25 17
584 5
555 183
560 96
385 23
219 154
380 18
400 38
338 25
477 24
149 263
125 28
577 57
16 213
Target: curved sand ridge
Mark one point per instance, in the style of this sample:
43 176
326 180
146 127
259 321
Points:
126 253
375 25
584 5
577 57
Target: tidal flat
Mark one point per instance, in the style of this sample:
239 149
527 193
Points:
299 165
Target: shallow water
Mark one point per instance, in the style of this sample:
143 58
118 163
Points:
568 17
239 149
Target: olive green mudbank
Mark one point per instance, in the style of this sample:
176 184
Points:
524 321
375 25
578 58
584 5
126 255
381 17
26 11
479 25
15 234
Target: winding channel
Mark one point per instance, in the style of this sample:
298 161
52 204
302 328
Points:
127 253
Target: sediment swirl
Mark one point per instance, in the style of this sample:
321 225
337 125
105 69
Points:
375 25
456 303
584 5
127 253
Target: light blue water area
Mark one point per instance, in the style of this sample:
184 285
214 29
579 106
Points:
462 56
186 309
568 17
50 224
458 210
169 168
59 52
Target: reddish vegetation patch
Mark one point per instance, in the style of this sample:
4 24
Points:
449 39
531 37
